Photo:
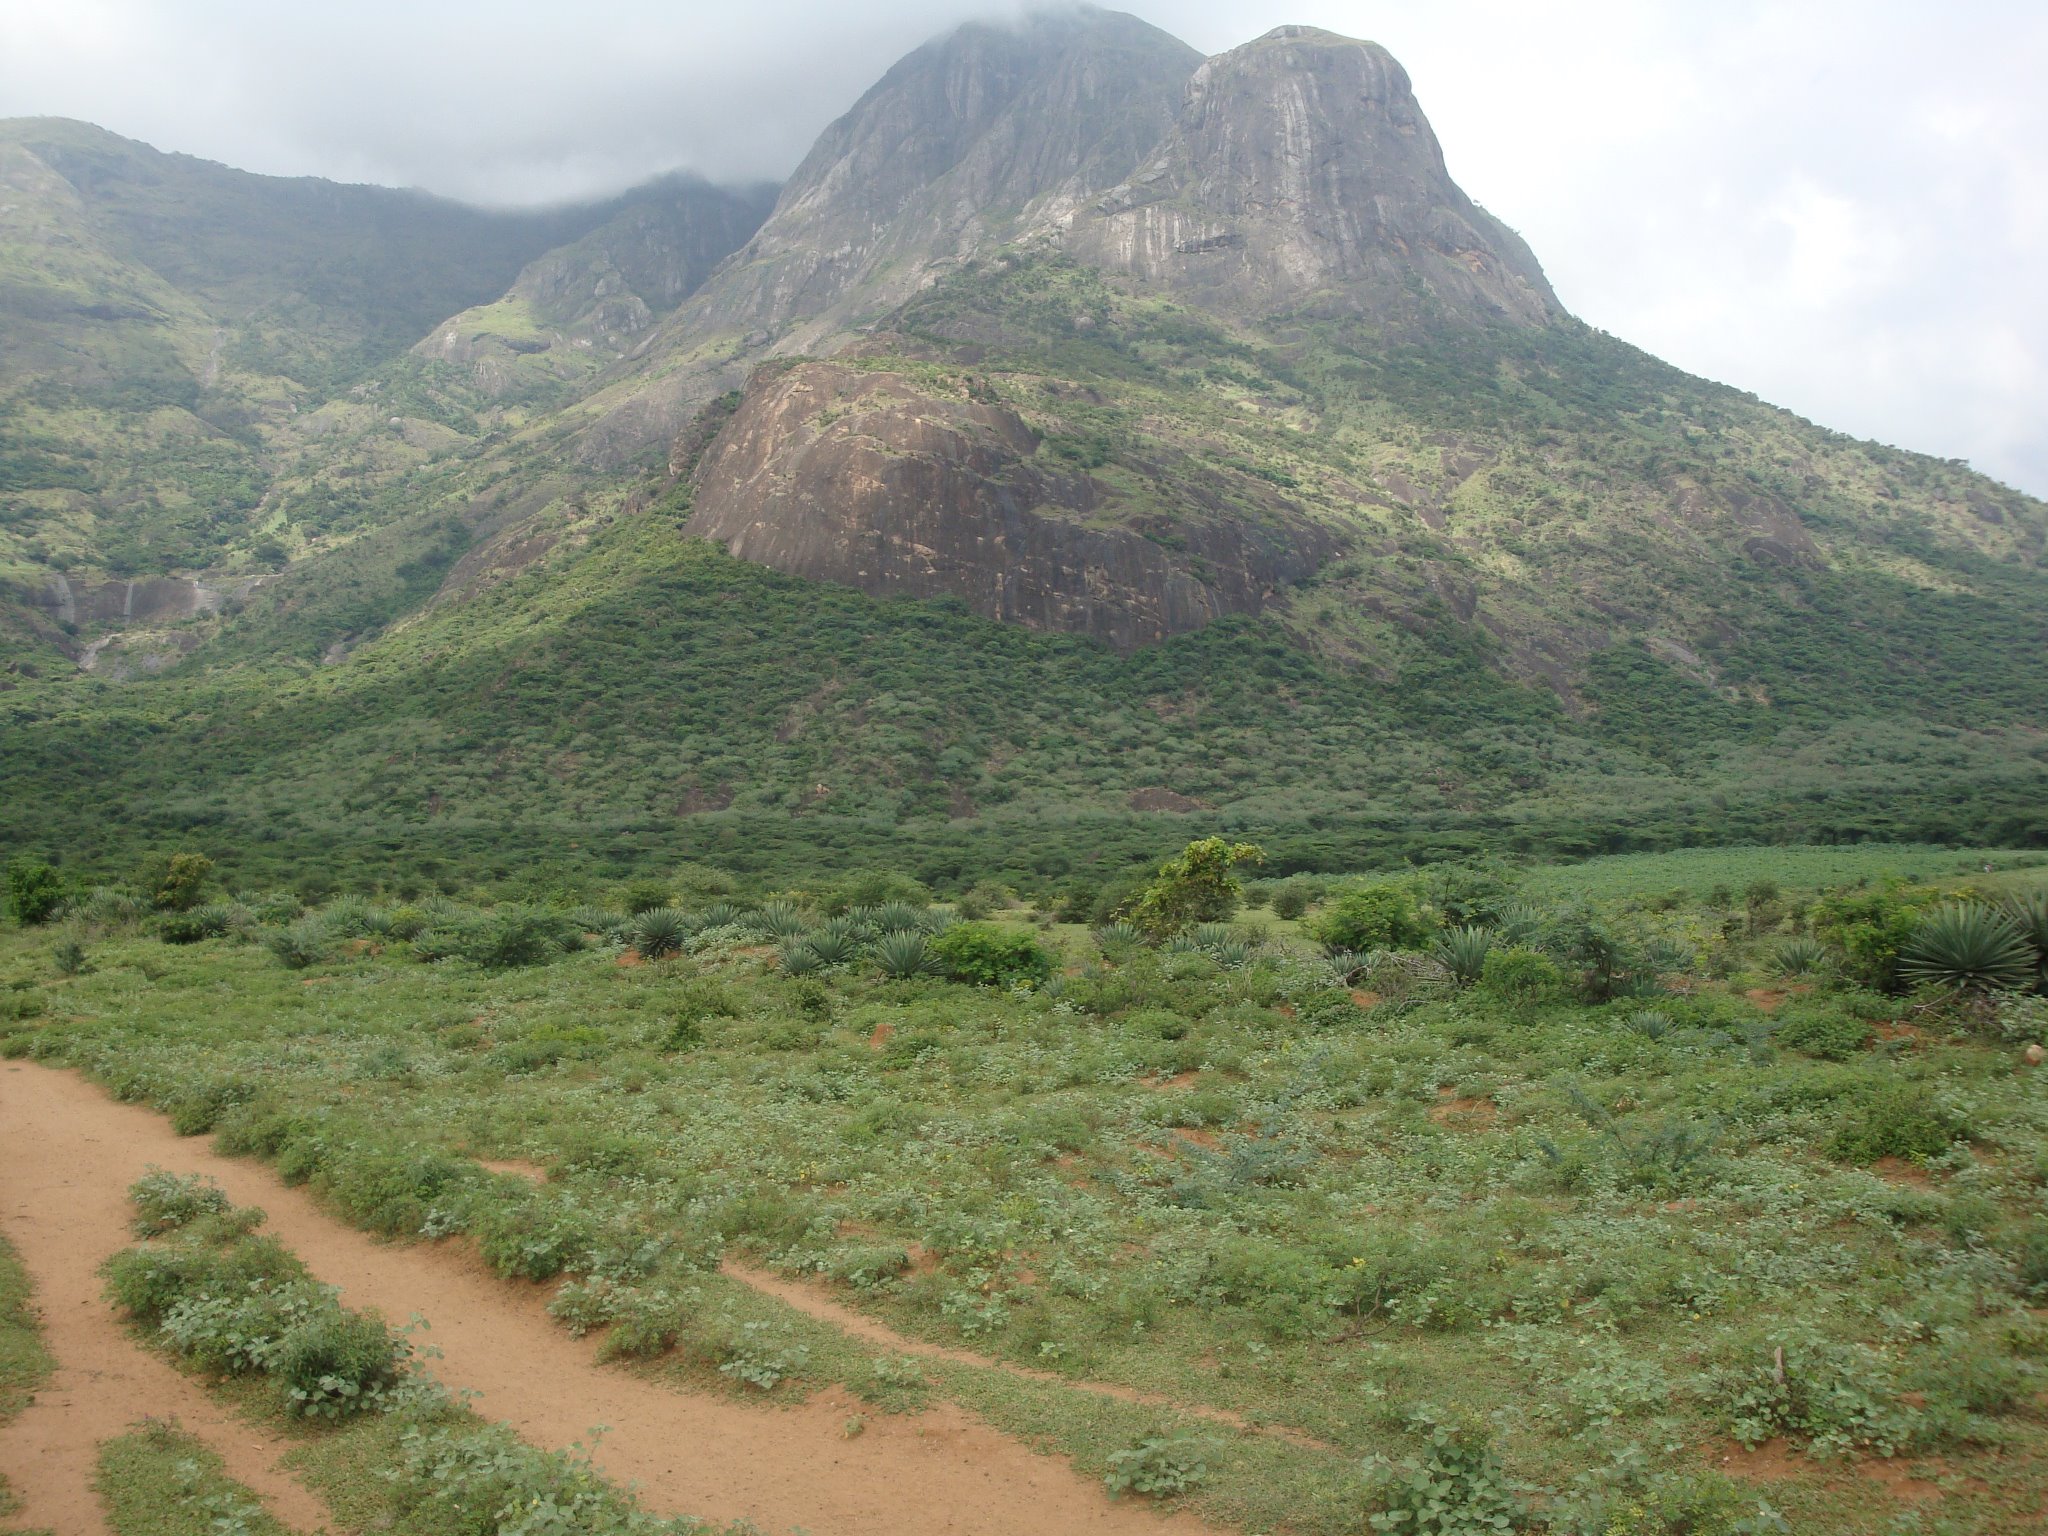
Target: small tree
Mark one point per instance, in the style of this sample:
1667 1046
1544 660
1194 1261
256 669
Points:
184 882
34 892
1197 887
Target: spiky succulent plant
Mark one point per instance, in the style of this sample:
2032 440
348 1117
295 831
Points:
1800 957
903 954
659 932
1463 952
1967 946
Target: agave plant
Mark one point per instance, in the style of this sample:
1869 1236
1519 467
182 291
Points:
1967 946
896 917
799 959
834 944
1463 952
1233 955
1649 1023
782 920
721 914
1518 923
601 921
659 932
902 954
355 917
1799 957
1118 938
2030 915
304 943
1214 935
936 920
103 909
1345 964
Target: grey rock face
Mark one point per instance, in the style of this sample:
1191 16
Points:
1301 170
866 480
942 158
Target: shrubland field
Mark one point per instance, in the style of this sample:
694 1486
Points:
1681 1193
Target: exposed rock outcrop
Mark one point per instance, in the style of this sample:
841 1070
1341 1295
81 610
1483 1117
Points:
865 479
1300 168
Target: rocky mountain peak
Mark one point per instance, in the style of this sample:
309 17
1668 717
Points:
1300 169
940 159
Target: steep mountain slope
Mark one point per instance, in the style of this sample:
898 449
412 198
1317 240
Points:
1090 435
1300 170
963 146
583 306
188 346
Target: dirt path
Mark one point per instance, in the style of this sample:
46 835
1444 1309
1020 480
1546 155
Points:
940 1473
65 1213
812 1302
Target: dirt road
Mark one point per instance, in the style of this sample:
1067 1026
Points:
68 1154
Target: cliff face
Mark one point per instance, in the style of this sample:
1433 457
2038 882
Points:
1300 169
870 481
940 159
966 144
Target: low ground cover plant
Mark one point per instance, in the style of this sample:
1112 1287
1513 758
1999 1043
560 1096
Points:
1586 1165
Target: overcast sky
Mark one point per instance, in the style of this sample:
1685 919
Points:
1840 206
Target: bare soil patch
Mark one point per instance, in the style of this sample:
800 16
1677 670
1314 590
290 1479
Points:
780 1463
533 1173
1463 1114
64 1219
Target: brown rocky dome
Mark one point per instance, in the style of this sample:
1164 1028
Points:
874 481
1301 168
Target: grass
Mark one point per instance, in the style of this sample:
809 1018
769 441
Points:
161 1481
1697 871
24 1363
1586 1224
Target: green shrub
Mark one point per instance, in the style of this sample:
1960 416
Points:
512 937
1897 1120
1521 977
1629 1498
989 956
34 892
1158 1467
1823 1033
645 896
1967 946
1290 899
337 1362
183 881
1387 915
1841 1396
70 958
165 1201
1871 927
1456 1488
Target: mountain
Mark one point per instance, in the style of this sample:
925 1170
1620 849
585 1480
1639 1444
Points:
1300 170
182 338
1089 434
